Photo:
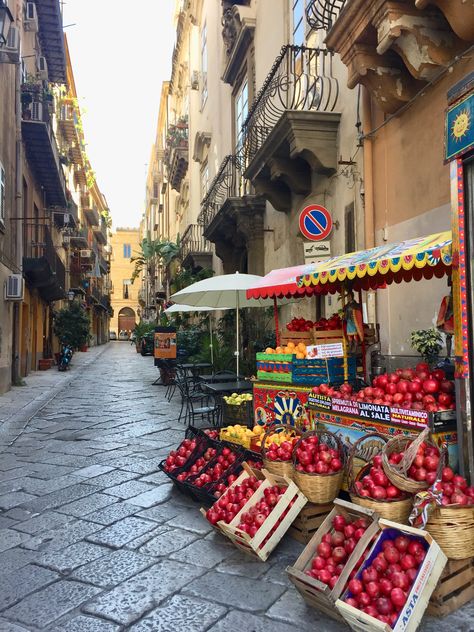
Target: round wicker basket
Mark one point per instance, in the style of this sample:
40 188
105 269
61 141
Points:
398 475
319 489
279 468
453 529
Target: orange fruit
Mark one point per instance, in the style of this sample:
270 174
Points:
278 350
301 347
269 350
300 356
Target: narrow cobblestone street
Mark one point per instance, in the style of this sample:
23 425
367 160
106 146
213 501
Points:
94 539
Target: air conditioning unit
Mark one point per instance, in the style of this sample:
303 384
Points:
36 111
42 67
10 54
31 18
14 287
195 80
85 254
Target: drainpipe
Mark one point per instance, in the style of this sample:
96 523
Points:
369 208
16 332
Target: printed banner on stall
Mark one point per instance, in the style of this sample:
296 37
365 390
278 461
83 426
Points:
322 352
460 128
165 343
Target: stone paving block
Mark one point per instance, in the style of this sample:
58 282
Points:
59 497
43 522
204 553
113 568
7 523
84 506
137 543
116 477
93 470
181 613
149 466
14 559
57 539
86 624
13 499
41 486
112 513
291 609
71 557
15 586
129 489
19 514
161 513
156 479
153 497
236 591
122 532
168 542
277 573
191 520
237 621
241 564
8 626
130 600
46 606
10 538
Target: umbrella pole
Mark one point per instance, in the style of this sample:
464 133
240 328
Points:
211 345
237 338
277 324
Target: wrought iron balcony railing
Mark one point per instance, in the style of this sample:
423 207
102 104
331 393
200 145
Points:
229 182
321 14
193 241
301 79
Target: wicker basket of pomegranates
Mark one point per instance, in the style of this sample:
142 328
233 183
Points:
277 447
370 487
318 462
452 523
412 463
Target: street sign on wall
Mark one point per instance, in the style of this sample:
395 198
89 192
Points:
315 222
316 250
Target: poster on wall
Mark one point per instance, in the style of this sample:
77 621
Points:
165 343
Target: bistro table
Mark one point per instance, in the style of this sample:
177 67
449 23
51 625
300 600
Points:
194 367
225 376
219 389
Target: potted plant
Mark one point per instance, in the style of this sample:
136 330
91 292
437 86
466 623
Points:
428 343
71 326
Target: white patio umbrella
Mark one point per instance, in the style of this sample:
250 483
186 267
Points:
227 291
175 309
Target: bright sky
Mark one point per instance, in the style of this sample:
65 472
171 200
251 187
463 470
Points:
121 53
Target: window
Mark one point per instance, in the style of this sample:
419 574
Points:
125 285
241 109
204 180
2 194
204 65
349 228
127 251
298 21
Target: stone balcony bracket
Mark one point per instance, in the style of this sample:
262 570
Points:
459 14
301 143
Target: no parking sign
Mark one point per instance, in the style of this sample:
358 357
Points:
315 222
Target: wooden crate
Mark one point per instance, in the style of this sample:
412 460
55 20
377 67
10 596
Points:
257 547
246 472
308 521
455 588
327 337
420 593
295 336
314 592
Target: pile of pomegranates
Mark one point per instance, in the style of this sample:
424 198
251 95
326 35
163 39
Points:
282 452
229 505
424 466
376 484
315 457
335 549
212 434
252 520
382 588
179 458
215 472
198 465
455 489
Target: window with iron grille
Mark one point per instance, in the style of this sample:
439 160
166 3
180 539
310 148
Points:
241 106
203 65
349 228
2 194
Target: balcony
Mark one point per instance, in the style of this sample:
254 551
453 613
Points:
68 218
291 130
42 151
90 209
196 251
42 268
177 153
93 296
232 217
68 121
321 14
79 238
104 265
395 48
100 232
104 303
51 37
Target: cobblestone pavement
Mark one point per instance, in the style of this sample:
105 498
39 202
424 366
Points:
94 539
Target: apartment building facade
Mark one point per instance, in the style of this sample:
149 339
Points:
126 296
44 179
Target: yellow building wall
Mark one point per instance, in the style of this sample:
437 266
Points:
122 269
